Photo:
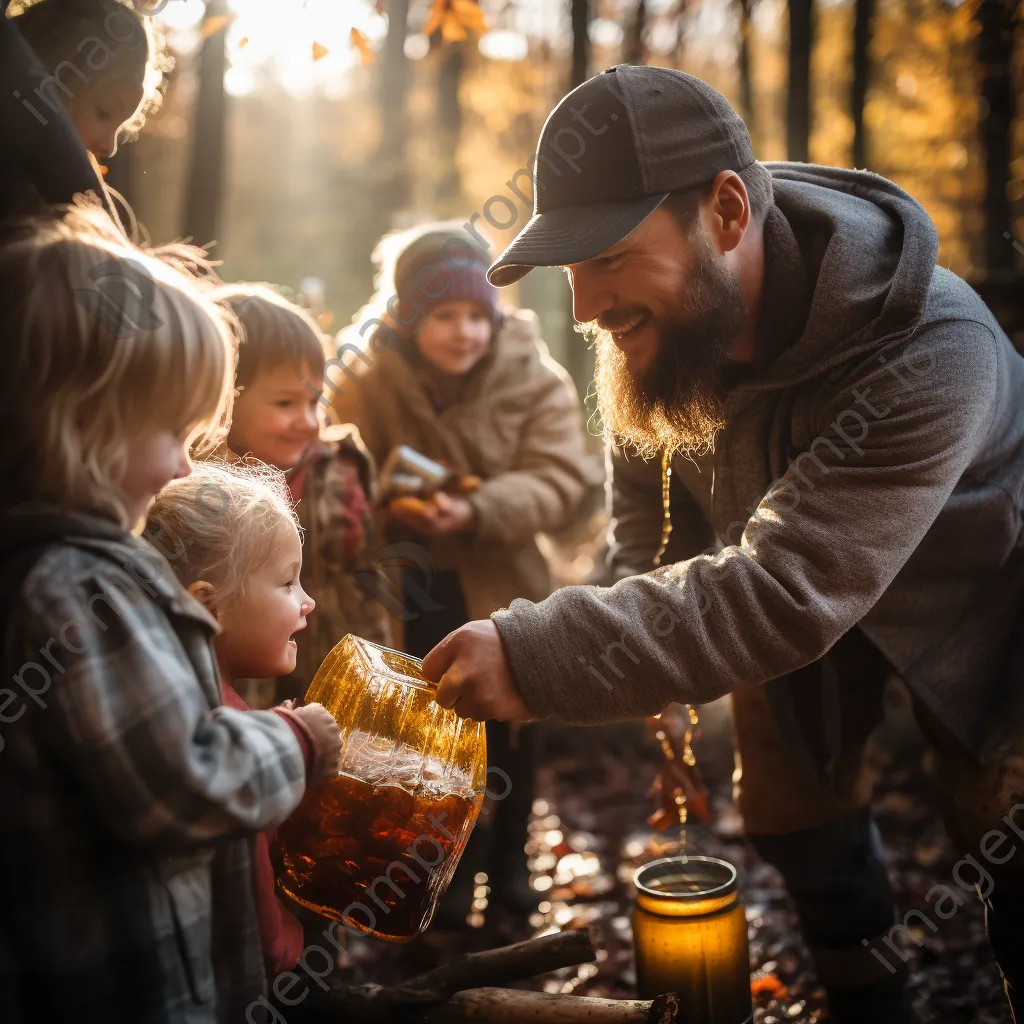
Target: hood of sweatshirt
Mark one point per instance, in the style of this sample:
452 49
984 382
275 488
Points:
39 523
868 250
36 525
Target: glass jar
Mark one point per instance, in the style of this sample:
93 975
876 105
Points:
376 847
690 937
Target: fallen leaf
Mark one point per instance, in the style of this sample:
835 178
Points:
244 41
319 51
770 983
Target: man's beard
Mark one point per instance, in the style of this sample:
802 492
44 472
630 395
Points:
678 401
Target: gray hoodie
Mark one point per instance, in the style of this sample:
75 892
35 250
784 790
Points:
870 474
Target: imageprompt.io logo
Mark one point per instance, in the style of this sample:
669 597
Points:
121 297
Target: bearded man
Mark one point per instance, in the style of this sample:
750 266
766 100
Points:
845 431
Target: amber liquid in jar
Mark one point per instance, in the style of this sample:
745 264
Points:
378 844
690 937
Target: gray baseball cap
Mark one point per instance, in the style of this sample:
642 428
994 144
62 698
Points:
610 153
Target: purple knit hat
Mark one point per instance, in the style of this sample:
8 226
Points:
441 267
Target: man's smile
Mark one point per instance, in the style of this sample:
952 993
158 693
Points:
622 331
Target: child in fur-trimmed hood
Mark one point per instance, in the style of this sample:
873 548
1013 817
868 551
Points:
448 374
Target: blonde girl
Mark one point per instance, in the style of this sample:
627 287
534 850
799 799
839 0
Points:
232 538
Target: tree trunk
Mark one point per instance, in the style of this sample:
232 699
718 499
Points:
580 15
863 18
999 108
746 81
578 360
390 169
677 56
205 185
635 47
449 121
798 98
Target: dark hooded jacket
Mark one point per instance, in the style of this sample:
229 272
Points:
869 476
40 164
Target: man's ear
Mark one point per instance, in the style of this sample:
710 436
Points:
729 210
203 592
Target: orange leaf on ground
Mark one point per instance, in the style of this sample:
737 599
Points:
319 51
244 41
770 983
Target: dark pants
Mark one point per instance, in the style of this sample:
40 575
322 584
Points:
817 830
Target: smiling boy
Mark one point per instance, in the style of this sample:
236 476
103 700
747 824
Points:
329 471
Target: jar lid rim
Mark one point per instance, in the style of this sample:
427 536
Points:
718 889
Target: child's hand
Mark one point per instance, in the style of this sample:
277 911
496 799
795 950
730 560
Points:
326 741
441 516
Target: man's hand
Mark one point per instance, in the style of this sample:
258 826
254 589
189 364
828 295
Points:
441 516
474 677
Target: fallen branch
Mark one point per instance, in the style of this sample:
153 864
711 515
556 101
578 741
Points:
368 1004
512 1006
498 966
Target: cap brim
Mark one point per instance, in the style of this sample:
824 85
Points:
568 235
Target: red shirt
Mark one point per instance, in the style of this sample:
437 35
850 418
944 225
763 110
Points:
280 931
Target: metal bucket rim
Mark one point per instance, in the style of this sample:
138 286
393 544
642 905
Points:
723 888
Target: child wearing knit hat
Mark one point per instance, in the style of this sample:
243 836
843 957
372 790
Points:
433 364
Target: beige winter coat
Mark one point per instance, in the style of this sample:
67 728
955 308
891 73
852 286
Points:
518 426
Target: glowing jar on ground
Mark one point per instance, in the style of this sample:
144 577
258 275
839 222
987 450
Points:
690 937
376 846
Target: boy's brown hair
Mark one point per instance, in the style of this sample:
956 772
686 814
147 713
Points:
275 331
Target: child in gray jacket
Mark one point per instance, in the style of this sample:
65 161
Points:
129 792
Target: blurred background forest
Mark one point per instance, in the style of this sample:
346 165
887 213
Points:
295 132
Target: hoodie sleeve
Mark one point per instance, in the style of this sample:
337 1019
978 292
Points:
127 717
548 480
820 549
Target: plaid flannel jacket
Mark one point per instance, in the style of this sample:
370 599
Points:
336 493
127 792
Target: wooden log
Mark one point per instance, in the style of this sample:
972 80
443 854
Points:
511 1006
498 966
369 1004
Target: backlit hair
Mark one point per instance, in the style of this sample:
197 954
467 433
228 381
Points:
218 523
456 247
274 332
101 342
58 31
